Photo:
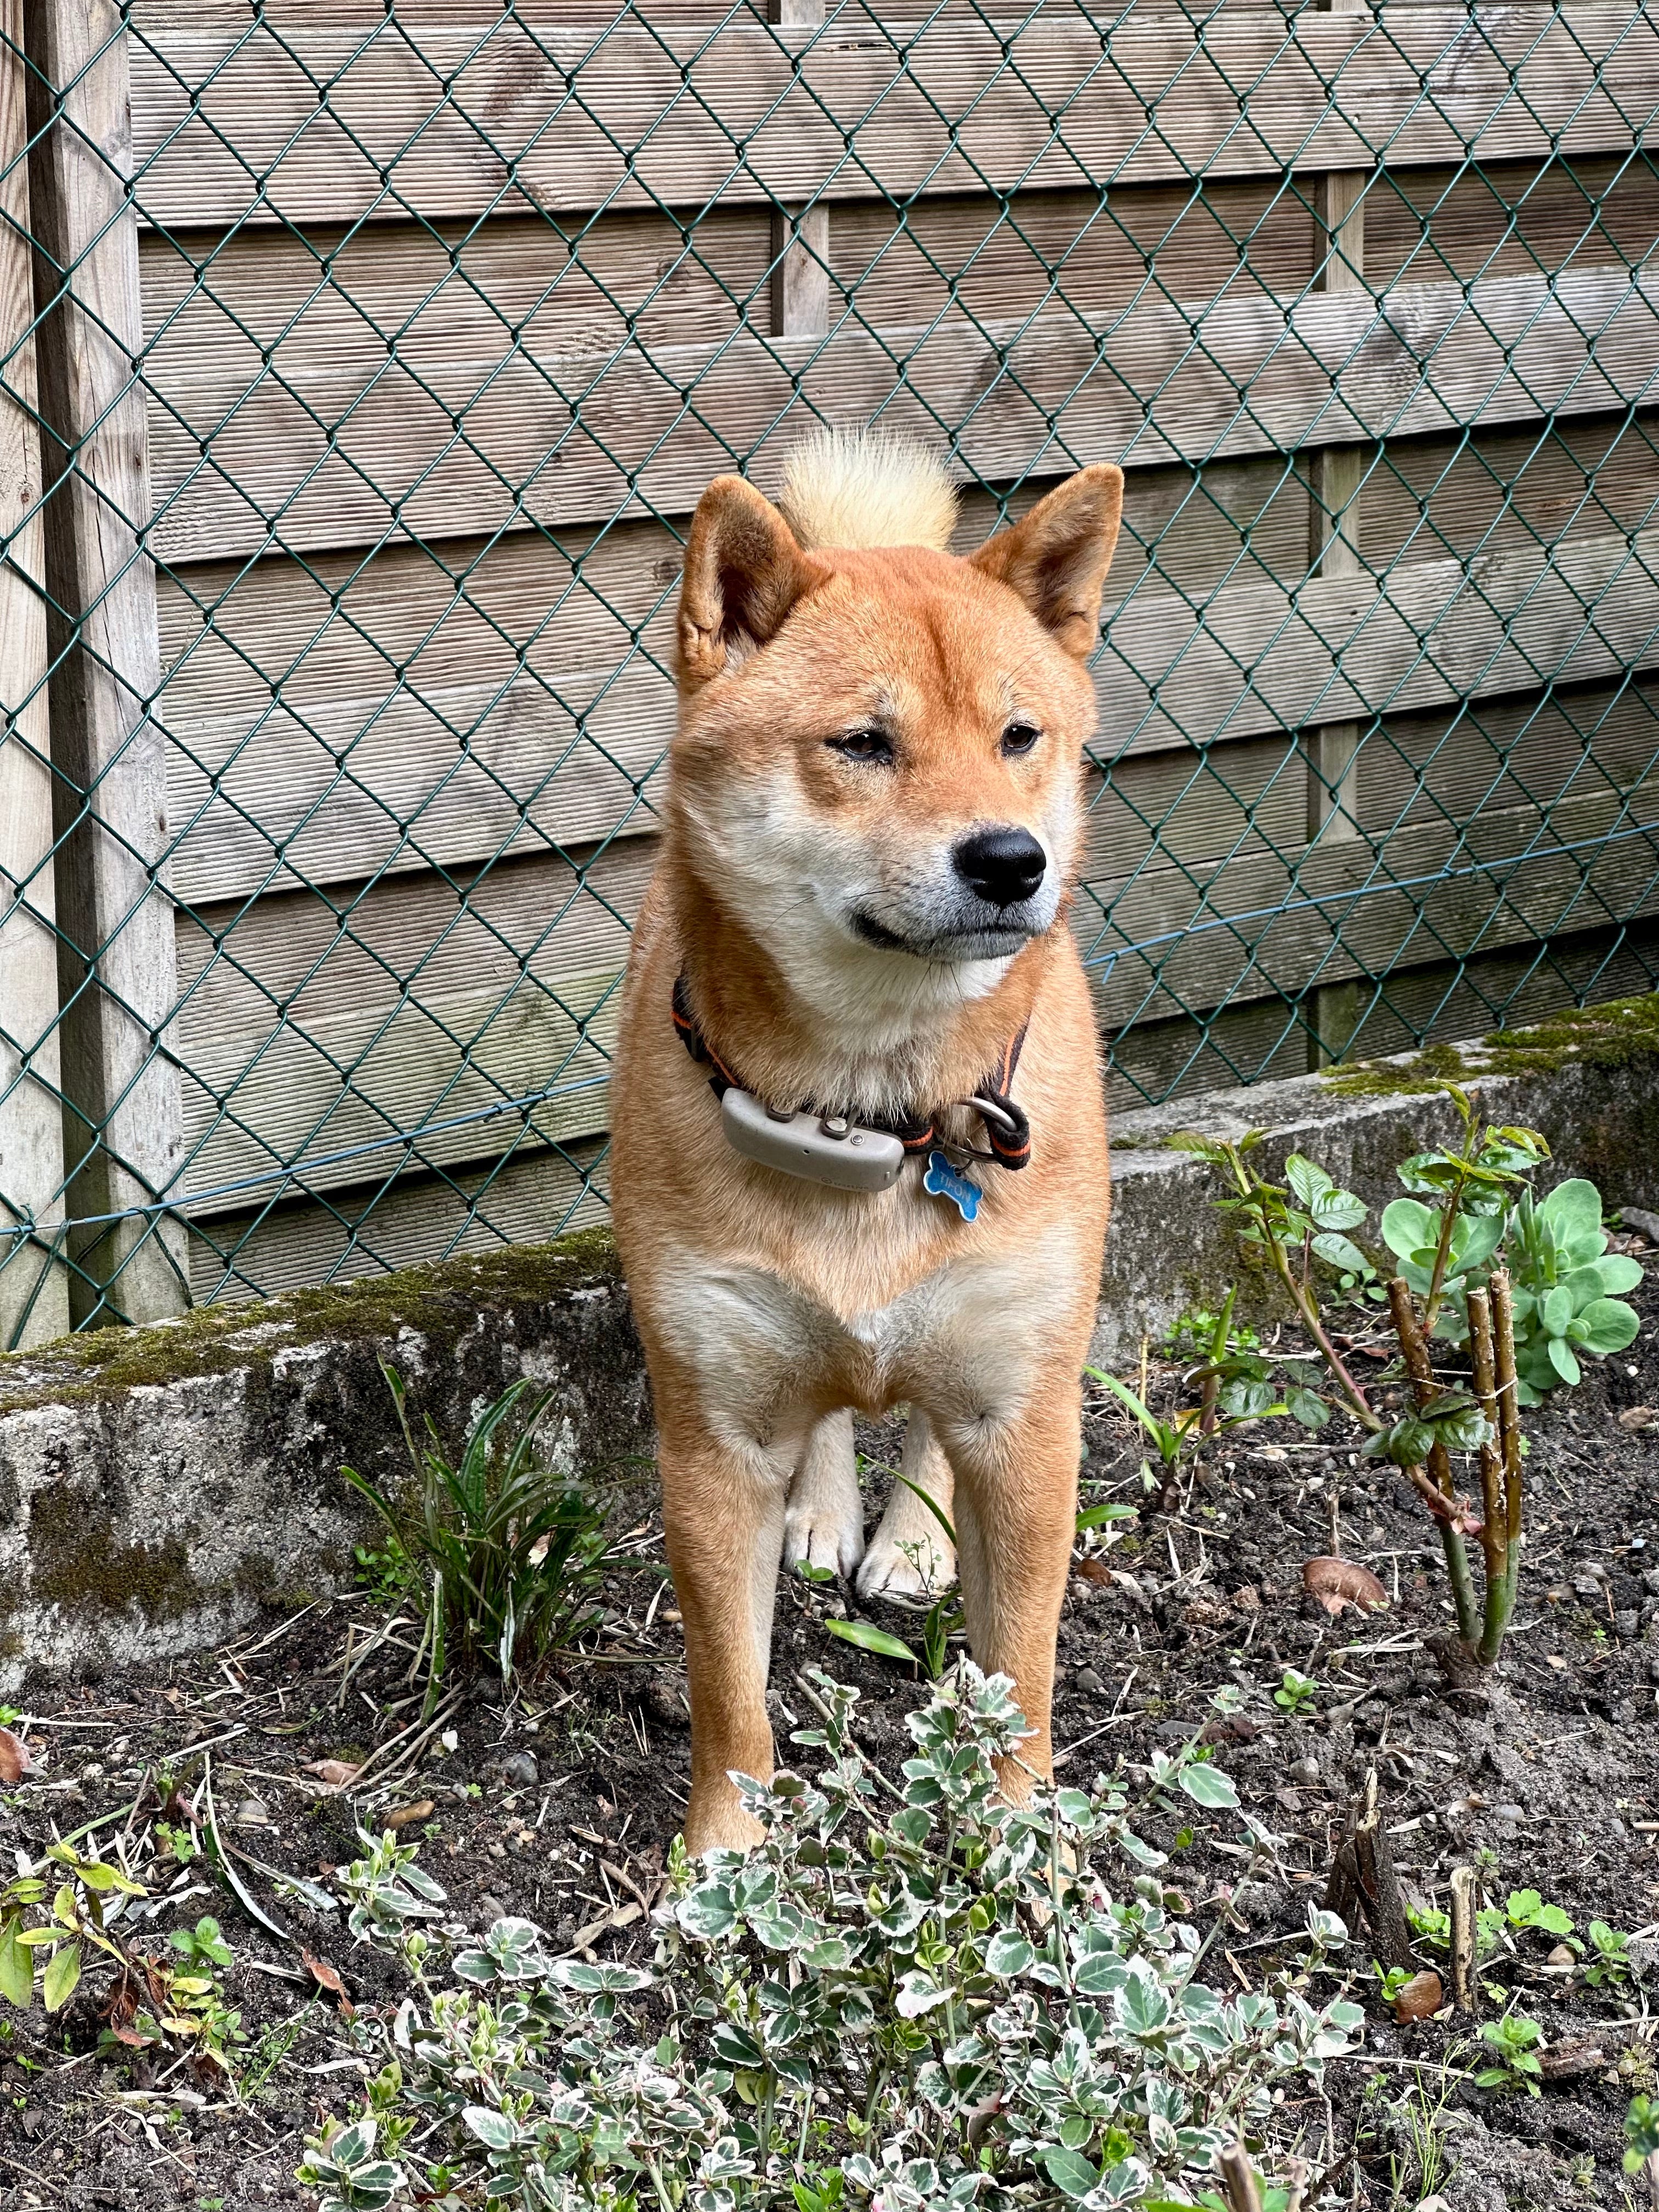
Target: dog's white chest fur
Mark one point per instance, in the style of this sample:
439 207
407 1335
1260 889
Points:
966 1340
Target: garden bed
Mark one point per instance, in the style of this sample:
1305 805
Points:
558 1801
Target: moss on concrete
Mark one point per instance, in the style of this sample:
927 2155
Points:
1609 1036
78 1561
440 1300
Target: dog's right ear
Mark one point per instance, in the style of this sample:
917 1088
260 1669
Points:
744 571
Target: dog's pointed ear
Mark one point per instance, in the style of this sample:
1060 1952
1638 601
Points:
744 571
1057 556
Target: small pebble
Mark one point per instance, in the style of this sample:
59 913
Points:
1628 1625
91 1773
251 1814
522 1771
1513 1814
1087 1679
490 1909
1305 1772
497 1850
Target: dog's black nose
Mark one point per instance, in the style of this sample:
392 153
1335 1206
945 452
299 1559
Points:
1004 864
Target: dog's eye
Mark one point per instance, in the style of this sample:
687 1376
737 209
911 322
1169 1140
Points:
1020 737
873 746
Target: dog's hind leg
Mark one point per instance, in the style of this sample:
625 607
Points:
1016 1520
910 1554
823 1521
723 1517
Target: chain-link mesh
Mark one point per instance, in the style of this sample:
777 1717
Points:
363 362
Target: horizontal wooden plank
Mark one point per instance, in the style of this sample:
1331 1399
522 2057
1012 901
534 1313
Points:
511 1200
346 788
319 121
307 456
1259 658
1173 941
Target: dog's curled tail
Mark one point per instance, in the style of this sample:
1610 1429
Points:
858 487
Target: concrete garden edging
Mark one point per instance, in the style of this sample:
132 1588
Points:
159 1486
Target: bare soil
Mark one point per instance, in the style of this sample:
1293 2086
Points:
558 1801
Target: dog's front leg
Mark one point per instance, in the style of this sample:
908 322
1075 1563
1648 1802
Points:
1016 1521
723 1507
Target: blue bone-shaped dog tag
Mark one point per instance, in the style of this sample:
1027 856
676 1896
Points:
942 1180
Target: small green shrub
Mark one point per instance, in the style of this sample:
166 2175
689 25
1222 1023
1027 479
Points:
921 2002
1514 2042
505 1555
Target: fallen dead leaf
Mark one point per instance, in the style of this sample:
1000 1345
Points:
1247 1599
1337 1582
624 1916
1420 1998
15 1760
1094 1570
337 1773
327 1976
406 1814
1555 1659
1570 2058
1637 1417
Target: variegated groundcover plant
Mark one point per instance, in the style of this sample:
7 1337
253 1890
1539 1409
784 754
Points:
913 1997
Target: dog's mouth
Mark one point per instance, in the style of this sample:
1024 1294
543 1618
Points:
969 941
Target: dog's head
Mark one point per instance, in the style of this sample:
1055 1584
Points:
878 765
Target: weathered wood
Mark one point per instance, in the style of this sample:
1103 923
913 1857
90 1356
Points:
1184 939
800 279
1364 1887
1463 1939
1335 474
33 1289
488 115
364 451
331 788
123 1132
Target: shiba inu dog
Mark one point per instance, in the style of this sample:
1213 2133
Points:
860 1135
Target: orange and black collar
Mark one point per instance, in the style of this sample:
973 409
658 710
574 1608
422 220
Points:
1008 1130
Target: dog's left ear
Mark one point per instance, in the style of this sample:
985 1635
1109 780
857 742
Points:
1056 557
744 571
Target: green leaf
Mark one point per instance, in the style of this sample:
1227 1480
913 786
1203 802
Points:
869 1638
1097 1517
1069 2171
1307 1179
1408 1227
1616 1272
1609 1326
1341 1252
16 1967
1555 1312
1208 1785
1572 1210
494 2130
1306 1406
1562 1360
1008 1952
62 1973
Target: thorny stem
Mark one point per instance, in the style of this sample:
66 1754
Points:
1419 1368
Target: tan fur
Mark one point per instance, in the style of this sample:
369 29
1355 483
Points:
857 489
768 1306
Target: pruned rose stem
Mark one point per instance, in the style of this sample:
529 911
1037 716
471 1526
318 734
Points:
1495 1527
1509 1415
1307 1307
1418 1367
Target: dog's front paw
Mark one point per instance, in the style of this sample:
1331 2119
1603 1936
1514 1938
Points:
918 1569
824 1534
716 1821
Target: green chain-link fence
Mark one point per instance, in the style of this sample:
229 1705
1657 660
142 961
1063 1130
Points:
363 364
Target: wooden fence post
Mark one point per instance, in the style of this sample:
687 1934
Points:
124 1131
800 236
33 1293
1335 475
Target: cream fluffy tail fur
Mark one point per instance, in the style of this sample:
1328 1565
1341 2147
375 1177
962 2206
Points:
860 487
